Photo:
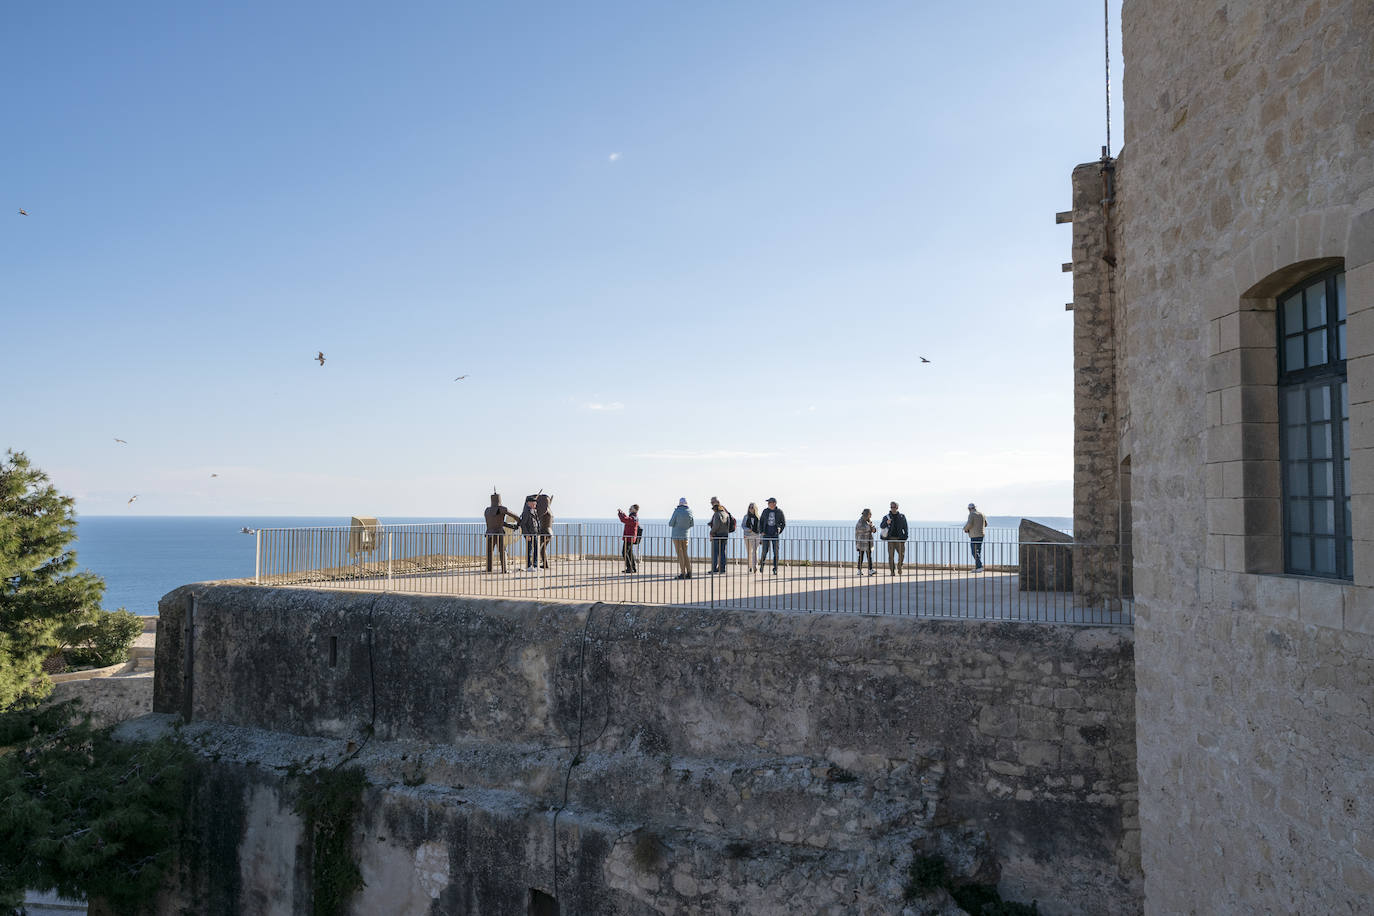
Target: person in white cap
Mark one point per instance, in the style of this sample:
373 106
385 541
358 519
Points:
681 523
975 528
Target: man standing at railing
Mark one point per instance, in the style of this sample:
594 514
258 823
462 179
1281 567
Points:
894 533
681 523
495 516
529 527
975 528
631 523
771 523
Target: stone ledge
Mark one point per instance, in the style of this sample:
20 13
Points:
1328 603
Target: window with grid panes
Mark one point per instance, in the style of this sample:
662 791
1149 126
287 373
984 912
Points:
1314 422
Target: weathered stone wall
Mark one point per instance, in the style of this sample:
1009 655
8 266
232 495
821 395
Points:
1248 163
1096 418
713 761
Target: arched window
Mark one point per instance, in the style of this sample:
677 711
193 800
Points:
1314 417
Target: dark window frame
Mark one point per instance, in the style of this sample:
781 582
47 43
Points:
1322 384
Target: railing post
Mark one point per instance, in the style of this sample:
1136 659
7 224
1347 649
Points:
388 560
257 557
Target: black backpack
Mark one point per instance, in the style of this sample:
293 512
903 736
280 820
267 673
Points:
731 529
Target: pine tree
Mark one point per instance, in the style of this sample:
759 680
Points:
40 592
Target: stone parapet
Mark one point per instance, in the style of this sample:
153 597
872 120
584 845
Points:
807 754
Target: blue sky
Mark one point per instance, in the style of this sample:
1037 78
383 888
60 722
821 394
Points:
678 249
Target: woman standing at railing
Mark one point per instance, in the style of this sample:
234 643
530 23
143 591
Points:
750 524
864 530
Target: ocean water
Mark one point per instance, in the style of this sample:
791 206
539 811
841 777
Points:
143 558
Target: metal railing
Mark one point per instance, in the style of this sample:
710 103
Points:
1044 582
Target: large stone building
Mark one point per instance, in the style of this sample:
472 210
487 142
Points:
1224 304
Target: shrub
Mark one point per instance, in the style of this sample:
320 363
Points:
104 639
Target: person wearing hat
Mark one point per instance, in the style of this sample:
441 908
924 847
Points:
680 524
771 523
975 528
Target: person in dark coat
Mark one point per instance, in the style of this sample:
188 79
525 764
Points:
894 533
529 527
541 510
771 523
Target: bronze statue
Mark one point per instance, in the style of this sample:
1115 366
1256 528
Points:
529 529
541 510
495 516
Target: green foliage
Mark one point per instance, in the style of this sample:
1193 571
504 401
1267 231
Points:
83 814
329 803
102 639
40 591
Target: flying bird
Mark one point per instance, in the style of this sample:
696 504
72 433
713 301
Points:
23 212
120 441
131 500
460 378
214 475
320 357
924 360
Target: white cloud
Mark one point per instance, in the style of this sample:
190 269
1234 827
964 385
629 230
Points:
597 405
670 455
613 157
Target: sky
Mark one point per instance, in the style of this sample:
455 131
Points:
677 249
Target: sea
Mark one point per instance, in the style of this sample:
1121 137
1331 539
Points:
143 558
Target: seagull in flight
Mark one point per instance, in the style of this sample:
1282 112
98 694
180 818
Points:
214 475
23 212
924 360
320 357
460 378
120 441
131 500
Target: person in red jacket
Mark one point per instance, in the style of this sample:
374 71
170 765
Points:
631 536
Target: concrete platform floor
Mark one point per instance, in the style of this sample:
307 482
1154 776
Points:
939 592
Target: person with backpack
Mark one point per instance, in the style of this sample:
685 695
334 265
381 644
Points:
771 523
976 527
722 523
631 537
750 523
894 533
680 524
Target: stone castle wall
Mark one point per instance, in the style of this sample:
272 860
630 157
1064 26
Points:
1248 163
709 760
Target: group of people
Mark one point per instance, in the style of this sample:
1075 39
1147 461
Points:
535 524
763 529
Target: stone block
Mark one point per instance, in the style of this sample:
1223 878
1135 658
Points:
1359 609
1361 471
1223 370
1335 233
1360 375
1216 558
1359 298
1260 442
1226 516
1228 332
1263 554
1256 328
1219 295
1231 411
1235 552
1359 244
1258 365
1364 557
1321 603
1277 596
1214 478
1260 403
1045 558
1263 516
1224 443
